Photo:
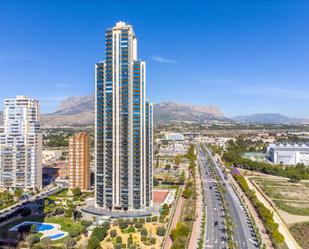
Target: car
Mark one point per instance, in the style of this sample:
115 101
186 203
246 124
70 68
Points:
216 223
210 187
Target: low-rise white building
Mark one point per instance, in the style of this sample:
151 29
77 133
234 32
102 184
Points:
288 153
49 156
173 137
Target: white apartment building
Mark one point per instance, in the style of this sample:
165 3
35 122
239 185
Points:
21 145
288 153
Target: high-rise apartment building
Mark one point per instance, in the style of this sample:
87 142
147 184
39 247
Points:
123 135
21 145
79 161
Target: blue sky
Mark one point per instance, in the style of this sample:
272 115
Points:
244 57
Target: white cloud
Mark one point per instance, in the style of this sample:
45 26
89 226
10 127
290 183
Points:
164 60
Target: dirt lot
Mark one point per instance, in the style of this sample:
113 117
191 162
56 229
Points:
291 200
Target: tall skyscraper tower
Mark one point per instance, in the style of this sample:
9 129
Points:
79 161
21 145
123 135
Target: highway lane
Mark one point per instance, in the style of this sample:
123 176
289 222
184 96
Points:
243 232
215 236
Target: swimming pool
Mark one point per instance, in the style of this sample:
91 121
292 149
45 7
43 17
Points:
55 236
40 227
50 230
44 227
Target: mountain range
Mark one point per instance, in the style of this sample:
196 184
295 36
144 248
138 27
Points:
79 110
269 118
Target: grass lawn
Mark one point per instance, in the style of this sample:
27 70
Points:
286 206
66 224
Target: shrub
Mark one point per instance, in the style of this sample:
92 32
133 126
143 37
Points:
148 219
86 223
142 220
135 219
113 233
161 231
144 232
106 225
153 240
131 229
100 233
59 211
130 240
33 228
138 224
181 231
123 223
118 246
154 219
143 238
118 240
74 233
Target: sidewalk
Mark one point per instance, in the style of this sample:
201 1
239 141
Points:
169 242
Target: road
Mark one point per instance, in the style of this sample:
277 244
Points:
47 191
244 236
216 236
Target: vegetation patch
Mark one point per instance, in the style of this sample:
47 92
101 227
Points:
300 232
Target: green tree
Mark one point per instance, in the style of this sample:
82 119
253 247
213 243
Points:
113 233
130 240
168 166
161 231
100 233
77 192
178 160
33 228
118 240
182 178
93 243
144 232
18 193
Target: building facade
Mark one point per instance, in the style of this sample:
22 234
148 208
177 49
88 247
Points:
21 145
79 161
123 135
174 137
288 154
